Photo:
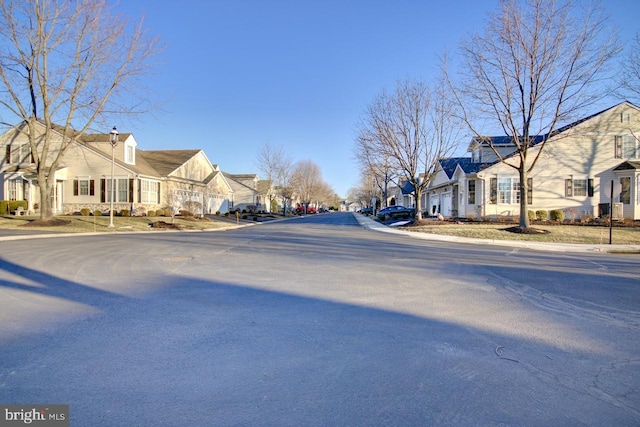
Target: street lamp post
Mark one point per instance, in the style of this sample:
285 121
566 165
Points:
113 138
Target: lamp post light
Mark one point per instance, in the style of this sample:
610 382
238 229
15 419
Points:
113 138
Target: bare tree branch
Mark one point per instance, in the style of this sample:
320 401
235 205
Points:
68 66
537 64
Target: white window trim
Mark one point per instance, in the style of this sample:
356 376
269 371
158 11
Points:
513 191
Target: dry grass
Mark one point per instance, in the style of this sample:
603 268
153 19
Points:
89 224
585 234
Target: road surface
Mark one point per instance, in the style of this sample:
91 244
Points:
316 321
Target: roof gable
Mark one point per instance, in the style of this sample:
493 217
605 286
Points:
628 165
467 165
505 141
166 162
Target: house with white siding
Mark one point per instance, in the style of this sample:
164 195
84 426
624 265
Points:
574 172
144 180
250 193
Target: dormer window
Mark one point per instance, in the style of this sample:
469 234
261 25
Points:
130 152
476 156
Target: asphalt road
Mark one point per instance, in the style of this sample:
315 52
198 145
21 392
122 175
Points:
317 321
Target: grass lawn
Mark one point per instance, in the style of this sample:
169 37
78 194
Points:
89 224
591 234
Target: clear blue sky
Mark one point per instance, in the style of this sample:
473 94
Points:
237 74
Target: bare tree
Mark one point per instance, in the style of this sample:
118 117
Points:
537 64
411 128
375 168
629 79
307 182
67 65
275 166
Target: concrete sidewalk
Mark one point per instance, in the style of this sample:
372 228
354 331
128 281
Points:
373 225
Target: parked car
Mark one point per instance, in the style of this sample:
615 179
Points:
310 210
396 212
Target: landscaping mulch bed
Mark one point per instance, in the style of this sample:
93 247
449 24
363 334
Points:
47 223
165 226
526 230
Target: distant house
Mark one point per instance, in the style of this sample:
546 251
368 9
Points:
250 193
574 172
144 180
401 195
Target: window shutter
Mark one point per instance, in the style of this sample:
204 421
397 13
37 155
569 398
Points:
139 190
103 187
131 190
75 187
493 191
590 187
8 153
530 191
568 188
92 190
158 200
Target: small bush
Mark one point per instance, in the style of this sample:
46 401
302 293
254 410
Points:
244 216
9 206
531 215
556 215
586 218
541 215
226 214
151 213
125 212
572 214
85 211
184 212
217 213
97 212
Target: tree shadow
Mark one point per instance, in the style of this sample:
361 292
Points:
208 352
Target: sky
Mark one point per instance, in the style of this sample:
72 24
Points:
236 75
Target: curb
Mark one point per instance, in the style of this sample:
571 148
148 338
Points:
372 225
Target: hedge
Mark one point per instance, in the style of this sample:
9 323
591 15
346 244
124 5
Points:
556 215
11 205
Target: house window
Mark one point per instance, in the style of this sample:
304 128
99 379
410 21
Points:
83 186
149 191
15 189
626 147
476 156
577 187
508 190
625 191
124 190
471 192
121 186
638 190
130 154
19 153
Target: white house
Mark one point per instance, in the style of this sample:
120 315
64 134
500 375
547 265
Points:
144 180
574 172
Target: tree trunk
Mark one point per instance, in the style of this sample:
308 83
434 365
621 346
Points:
46 191
418 195
524 214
